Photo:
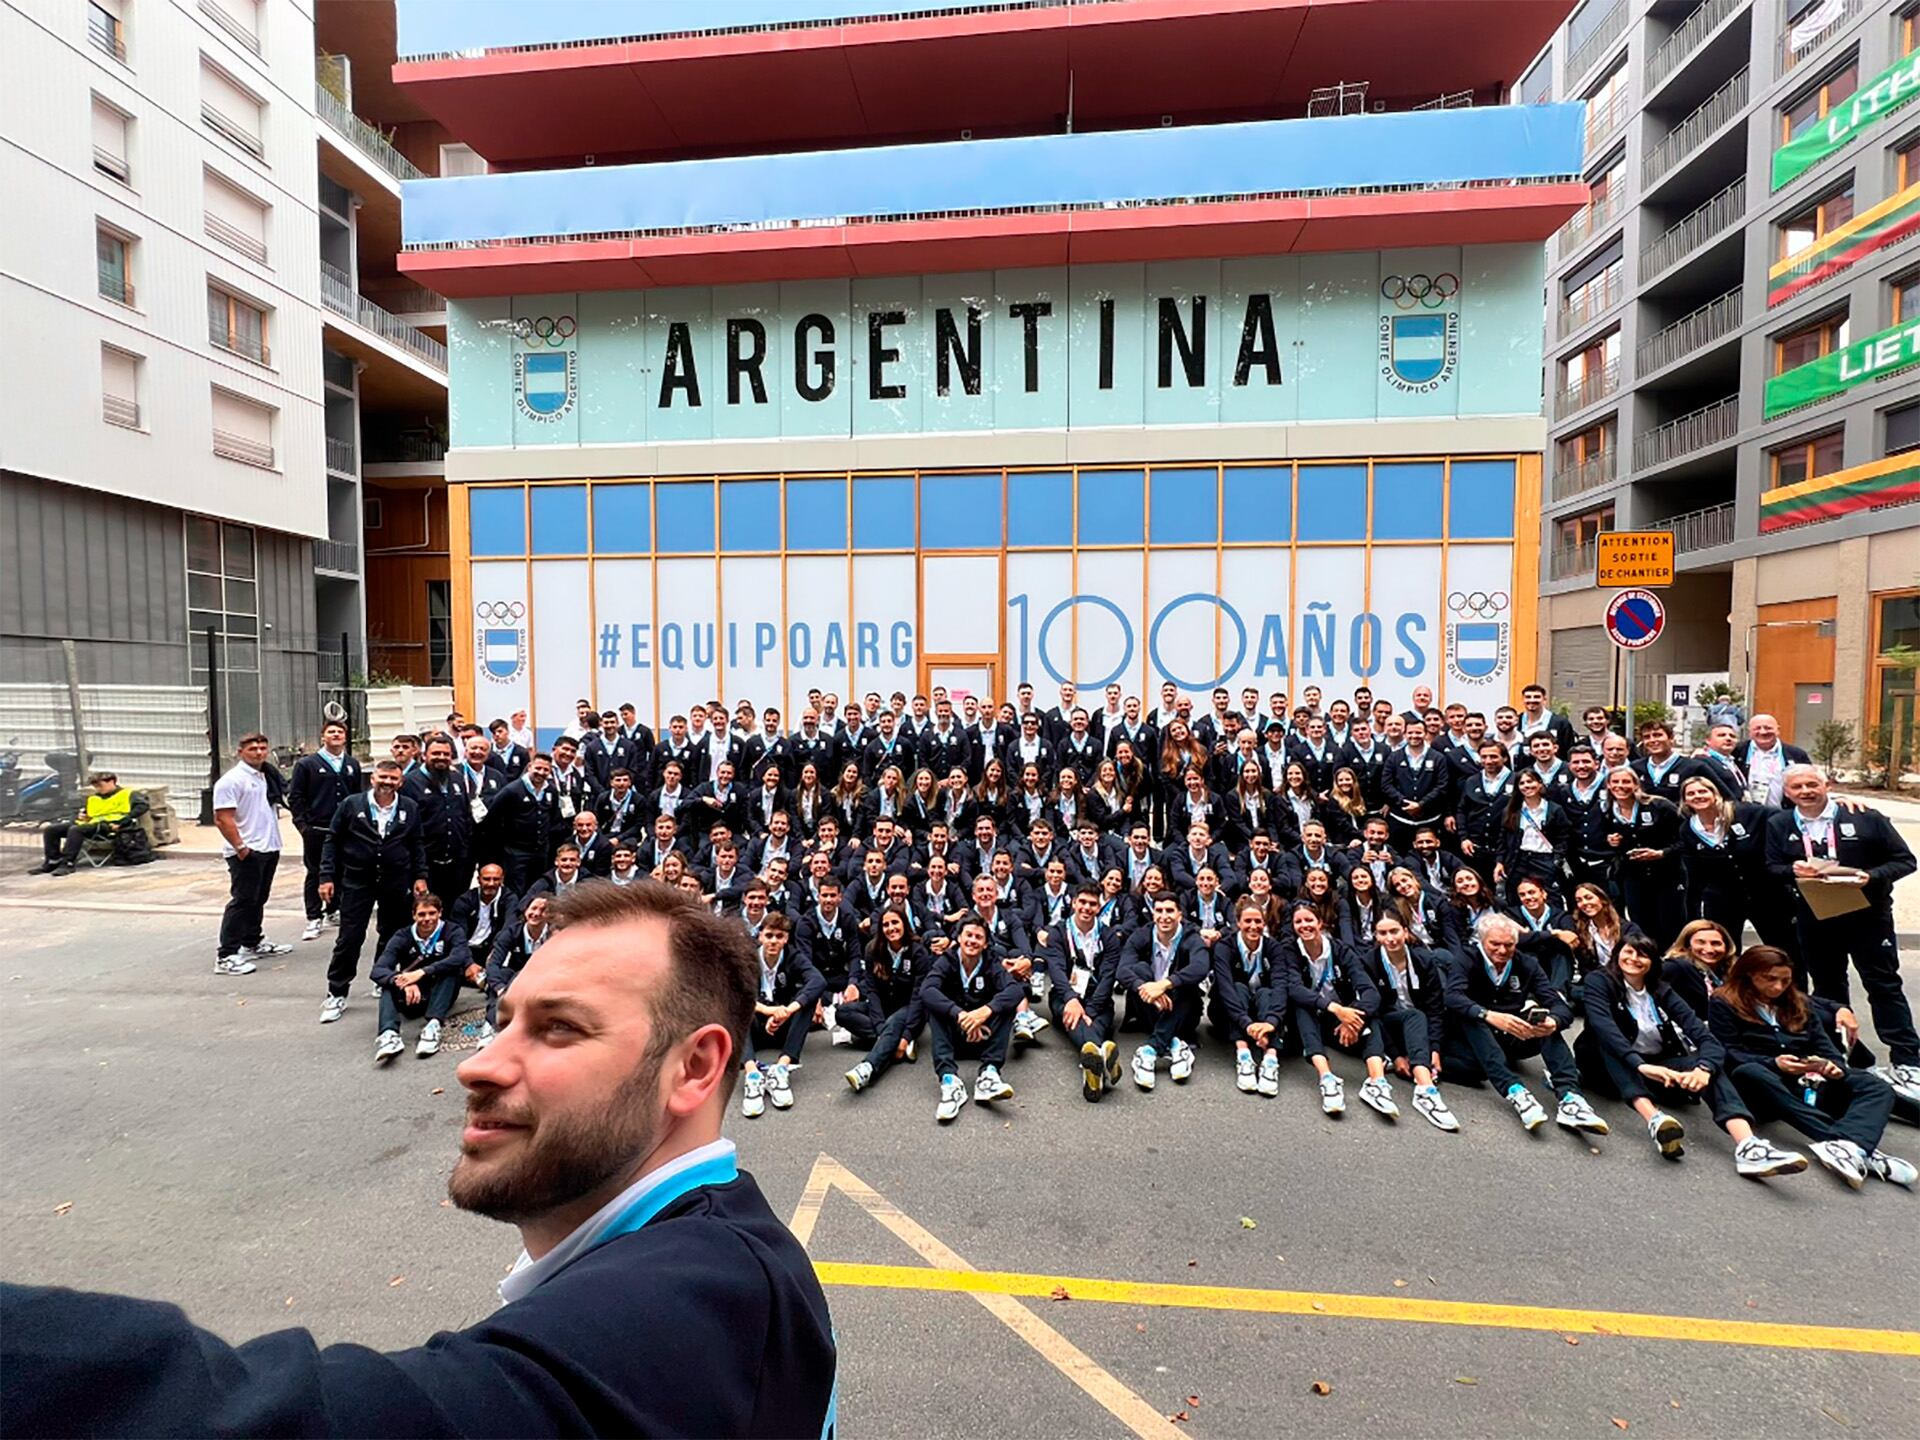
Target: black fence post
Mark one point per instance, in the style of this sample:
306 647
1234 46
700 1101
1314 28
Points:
213 725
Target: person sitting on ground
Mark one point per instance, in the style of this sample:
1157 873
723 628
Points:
1161 971
969 1004
782 1015
419 973
1412 981
1242 1006
888 1014
111 813
1331 1001
1082 958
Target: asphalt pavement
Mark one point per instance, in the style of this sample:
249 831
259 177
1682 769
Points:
176 1134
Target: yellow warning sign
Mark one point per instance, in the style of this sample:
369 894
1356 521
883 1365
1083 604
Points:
1633 557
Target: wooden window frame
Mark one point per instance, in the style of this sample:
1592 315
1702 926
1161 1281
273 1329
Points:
233 346
1821 226
1897 284
1805 448
1826 99
1829 327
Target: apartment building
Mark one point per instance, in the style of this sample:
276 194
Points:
1727 355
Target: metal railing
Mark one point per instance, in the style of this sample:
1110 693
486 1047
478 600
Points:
118 410
1589 301
1691 133
1709 425
337 292
408 298
1566 561
114 285
340 556
1592 387
1603 122
364 137
239 447
1587 223
1791 54
236 342
1589 474
234 238
1611 27
340 456
108 163
104 34
221 123
1700 529
1712 321
407 449
215 12
1674 51
1715 216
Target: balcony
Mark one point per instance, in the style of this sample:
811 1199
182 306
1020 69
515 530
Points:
409 448
1801 41
105 35
228 128
119 410
115 286
1586 224
1591 300
1673 53
1700 529
339 296
1602 123
1610 28
337 557
234 238
1588 390
340 456
1590 474
362 136
246 451
1713 321
1718 215
1713 424
1691 133
1569 562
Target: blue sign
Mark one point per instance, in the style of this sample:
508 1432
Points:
1635 619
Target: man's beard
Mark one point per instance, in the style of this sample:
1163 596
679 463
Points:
566 1156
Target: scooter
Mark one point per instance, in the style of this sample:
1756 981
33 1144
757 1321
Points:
52 796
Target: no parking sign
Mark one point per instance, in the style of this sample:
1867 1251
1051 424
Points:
1635 619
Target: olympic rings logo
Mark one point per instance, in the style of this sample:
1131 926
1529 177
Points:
546 330
1429 292
500 612
1478 603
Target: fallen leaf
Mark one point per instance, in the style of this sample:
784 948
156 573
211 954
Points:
1193 1400
1247 1222
1571 1339
446 1204
239 1002
396 1280
63 1207
1141 1329
439 1090
1281 1258
1179 1416
1321 1387
1318 1306
1465 1380
1192 1263
1059 1292
1399 1284
1620 1424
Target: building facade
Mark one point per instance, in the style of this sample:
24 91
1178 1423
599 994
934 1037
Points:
1728 349
990 387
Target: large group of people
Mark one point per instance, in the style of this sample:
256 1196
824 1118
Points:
1434 894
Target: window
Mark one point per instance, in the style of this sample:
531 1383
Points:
1906 296
1578 531
1591 362
1906 162
235 218
1536 86
237 325
242 429
239 18
230 110
1906 31
115 251
1808 459
439 632
1903 430
460 160
104 30
1589 444
1809 342
1819 101
1607 187
1607 106
120 387
223 597
110 141
376 513
1801 229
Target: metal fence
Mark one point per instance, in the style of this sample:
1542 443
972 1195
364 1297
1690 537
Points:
1691 133
1712 321
1674 51
1711 219
1709 425
336 290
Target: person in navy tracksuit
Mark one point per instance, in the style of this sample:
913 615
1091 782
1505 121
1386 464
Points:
1082 959
1412 982
1641 830
1161 971
782 1015
1243 998
888 1013
969 1001
419 973
1331 1002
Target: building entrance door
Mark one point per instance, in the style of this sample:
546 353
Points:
963 675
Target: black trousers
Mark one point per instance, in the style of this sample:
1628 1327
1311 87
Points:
313 841
1095 1027
1866 938
1606 1074
249 882
1405 1035
450 879
1655 900
1250 1001
359 901
788 1039
1316 1031
1475 1051
436 1000
886 1042
61 841
1163 1027
949 1043
1855 1107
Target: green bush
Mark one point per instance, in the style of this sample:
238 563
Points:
1832 744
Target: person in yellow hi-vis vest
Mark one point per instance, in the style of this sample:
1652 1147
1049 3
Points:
110 810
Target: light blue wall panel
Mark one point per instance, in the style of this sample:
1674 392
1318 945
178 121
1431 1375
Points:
1500 332
1106 302
542 311
1339 335
1422 332
807 305
745 324
1183 301
680 376
1258 314
622 519
969 301
480 371
887 373
612 345
1015 406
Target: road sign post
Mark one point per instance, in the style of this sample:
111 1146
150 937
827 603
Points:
1635 619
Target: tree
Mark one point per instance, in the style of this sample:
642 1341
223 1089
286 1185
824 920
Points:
1832 743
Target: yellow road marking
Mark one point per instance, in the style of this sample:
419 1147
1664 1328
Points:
984 1283
1128 1408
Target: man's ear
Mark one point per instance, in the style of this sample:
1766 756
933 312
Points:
702 1066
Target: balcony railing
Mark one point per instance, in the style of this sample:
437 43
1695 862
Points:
407 449
1712 321
1589 301
1691 133
1591 388
1586 224
408 298
1713 218
1684 41
234 238
239 447
1799 42
340 556
223 124
1611 27
107 162
1709 425
1602 122
118 410
236 342
114 285
104 34
337 291
340 455
217 13
1567 561
367 140
1589 474
1700 529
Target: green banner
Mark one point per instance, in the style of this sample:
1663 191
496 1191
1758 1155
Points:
1873 102
1863 360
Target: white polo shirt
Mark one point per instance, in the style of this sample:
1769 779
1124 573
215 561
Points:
243 790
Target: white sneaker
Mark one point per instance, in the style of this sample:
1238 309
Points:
1526 1107
234 965
1843 1158
953 1095
312 932
1333 1095
753 1094
1036 986
268 948
1755 1157
988 1086
1575 1114
1180 1066
1269 1074
486 1036
1144 1059
860 1076
1023 1031
331 1008
1667 1133
780 1086
1245 1078
387 1046
1905 1080
1429 1102
1379 1095
913 1051
429 1040
1891 1168
839 1035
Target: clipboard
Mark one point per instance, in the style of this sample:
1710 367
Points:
1830 899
